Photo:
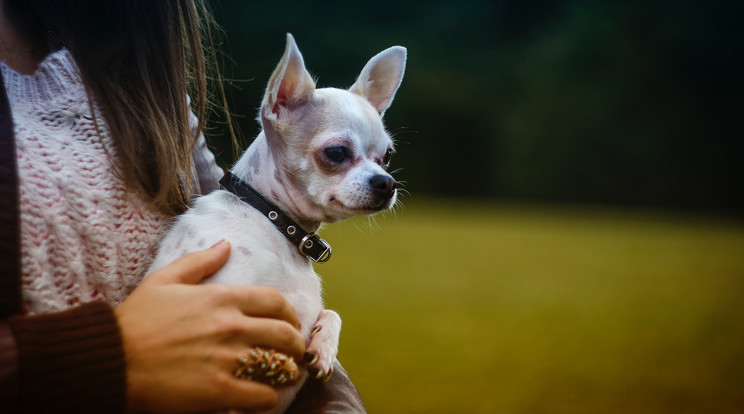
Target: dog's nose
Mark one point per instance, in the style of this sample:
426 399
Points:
383 185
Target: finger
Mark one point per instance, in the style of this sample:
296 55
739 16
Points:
193 267
264 302
273 334
250 395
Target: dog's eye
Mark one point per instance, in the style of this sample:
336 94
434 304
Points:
387 157
337 154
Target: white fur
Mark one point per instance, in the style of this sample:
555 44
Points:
285 163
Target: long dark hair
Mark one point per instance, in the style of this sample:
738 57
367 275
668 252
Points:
138 59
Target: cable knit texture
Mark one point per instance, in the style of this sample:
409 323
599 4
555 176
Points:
83 236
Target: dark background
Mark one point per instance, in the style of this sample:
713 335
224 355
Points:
631 103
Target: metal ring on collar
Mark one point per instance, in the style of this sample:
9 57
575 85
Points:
306 243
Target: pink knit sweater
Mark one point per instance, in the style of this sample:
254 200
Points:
83 236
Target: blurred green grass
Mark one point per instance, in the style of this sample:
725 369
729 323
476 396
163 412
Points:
497 308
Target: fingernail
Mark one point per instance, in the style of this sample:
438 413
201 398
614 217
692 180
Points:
220 244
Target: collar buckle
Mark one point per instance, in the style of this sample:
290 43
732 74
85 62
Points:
315 248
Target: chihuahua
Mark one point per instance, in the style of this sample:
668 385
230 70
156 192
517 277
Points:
322 156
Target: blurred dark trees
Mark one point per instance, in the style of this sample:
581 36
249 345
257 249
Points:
632 103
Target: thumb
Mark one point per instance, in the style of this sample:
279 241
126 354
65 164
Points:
193 267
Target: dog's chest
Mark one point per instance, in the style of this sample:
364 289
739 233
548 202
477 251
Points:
260 254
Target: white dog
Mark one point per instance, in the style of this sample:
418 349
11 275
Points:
322 157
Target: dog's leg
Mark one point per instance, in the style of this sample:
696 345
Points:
323 344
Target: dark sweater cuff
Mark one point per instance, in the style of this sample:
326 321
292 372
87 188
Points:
337 396
71 361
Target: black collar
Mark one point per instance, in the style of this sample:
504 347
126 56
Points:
309 244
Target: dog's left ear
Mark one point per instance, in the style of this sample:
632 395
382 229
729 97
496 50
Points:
381 78
289 85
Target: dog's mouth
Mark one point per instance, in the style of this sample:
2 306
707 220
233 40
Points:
366 207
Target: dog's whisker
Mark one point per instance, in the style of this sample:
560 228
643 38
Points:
372 223
356 225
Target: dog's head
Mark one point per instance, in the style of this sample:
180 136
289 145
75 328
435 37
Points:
331 142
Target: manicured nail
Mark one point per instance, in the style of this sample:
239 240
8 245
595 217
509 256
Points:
220 244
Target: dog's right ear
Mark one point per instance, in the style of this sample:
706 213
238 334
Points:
290 84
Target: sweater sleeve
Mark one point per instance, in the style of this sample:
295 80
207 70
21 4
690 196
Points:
207 171
8 370
337 396
72 361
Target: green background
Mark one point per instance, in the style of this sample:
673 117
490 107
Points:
456 307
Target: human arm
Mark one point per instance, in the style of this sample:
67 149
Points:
183 361
170 347
70 359
208 173
8 369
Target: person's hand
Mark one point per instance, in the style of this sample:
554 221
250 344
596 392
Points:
182 340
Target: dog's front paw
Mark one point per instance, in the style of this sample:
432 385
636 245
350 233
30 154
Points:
323 347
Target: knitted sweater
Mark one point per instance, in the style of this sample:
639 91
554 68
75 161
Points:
84 245
83 236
